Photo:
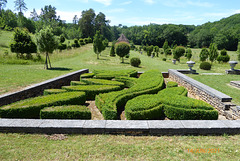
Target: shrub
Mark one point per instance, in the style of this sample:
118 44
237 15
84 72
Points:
171 84
102 82
86 75
204 54
128 81
135 62
62 47
164 59
109 104
168 51
112 51
205 66
223 57
81 41
106 74
77 83
53 91
30 108
66 112
188 54
122 49
92 90
178 53
76 44
174 90
62 39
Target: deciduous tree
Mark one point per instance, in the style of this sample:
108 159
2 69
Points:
98 45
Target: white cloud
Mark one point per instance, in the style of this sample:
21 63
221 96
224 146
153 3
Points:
126 3
68 15
149 1
199 4
185 3
105 2
227 13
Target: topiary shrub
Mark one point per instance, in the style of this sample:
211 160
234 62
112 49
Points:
66 112
92 90
164 59
102 82
86 75
205 66
203 54
77 83
53 91
171 84
135 62
30 108
223 57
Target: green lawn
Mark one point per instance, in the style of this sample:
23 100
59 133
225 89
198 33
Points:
118 147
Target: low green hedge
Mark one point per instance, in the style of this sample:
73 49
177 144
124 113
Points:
102 82
30 108
128 81
77 83
175 105
92 90
53 91
86 75
110 104
174 90
66 112
106 74
144 107
171 84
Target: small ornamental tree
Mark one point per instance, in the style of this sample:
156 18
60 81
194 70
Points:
223 57
165 46
156 50
98 46
112 51
47 43
22 43
204 54
150 50
122 49
189 54
62 39
213 52
105 43
178 53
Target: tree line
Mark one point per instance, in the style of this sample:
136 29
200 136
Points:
224 33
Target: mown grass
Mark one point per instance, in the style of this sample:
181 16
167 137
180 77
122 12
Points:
120 147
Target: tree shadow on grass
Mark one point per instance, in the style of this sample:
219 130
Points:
125 63
60 69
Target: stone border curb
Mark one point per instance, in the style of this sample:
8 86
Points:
126 127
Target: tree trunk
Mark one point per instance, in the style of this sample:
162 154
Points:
49 61
97 56
46 62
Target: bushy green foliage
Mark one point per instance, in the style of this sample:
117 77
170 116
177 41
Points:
171 84
109 104
62 39
53 91
170 102
30 108
128 81
189 54
178 52
122 49
106 74
62 46
98 45
168 51
102 82
86 75
76 43
112 51
135 62
22 43
204 54
150 50
164 59
213 52
92 90
66 112
205 66
223 57
82 42
77 83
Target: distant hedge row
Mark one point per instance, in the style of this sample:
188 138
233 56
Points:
110 103
106 74
172 103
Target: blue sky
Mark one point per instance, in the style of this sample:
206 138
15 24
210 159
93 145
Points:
141 12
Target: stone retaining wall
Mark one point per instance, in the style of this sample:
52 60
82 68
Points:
37 89
220 101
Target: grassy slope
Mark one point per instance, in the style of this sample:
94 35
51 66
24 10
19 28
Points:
112 147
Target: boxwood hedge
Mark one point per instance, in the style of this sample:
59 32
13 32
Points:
30 108
174 104
53 91
110 104
77 83
92 90
171 84
66 112
103 82
106 74
86 75
128 81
